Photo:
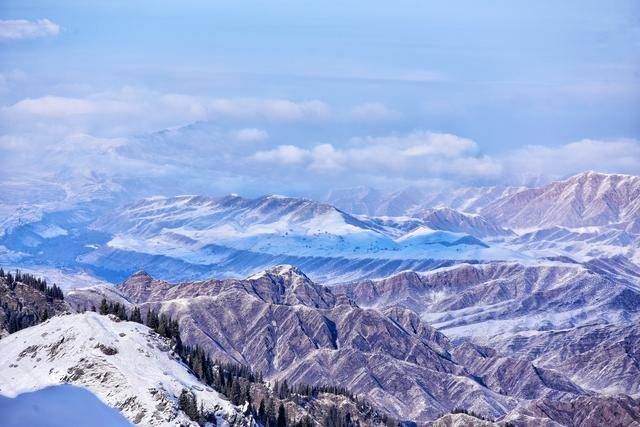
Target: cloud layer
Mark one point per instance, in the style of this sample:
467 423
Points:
253 146
19 29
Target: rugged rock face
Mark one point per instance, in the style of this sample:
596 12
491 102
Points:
25 305
591 411
283 324
604 358
141 287
487 300
587 199
570 326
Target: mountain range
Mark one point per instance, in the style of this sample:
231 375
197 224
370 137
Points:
473 306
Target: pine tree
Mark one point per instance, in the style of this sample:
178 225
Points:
282 417
188 404
135 315
179 348
152 319
236 393
162 326
104 307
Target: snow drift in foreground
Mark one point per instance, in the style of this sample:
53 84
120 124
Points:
125 364
59 406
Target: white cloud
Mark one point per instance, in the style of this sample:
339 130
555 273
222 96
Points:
132 110
250 135
418 155
421 143
19 29
286 154
59 107
326 157
553 162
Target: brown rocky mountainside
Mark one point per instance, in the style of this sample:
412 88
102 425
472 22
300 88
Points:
286 326
586 199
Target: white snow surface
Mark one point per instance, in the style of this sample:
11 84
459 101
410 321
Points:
143 378
184 227
59 406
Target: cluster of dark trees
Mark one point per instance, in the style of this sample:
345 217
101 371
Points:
188 404
18 316
51 292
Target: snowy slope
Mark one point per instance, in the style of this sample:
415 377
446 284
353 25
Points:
587 199
201 230
59 406
125 364
407 201
452 220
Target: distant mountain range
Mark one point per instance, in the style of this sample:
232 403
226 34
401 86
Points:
195 237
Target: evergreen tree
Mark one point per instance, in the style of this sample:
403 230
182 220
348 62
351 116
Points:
163 326
135 315
188 404
236 393
152 319
104 307
282 417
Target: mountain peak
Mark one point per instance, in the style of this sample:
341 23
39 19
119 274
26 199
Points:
141 273
587 199
591 174
140 286
287 284
282 270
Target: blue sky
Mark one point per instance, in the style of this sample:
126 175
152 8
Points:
315 87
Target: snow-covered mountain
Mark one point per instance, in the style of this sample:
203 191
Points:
587 199
195 237
404 202
453 220
125 364
524 311
237 236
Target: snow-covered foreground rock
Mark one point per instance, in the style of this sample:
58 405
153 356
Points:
125 364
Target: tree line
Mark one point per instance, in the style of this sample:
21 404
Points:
51 292
18 316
